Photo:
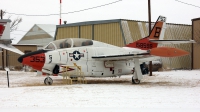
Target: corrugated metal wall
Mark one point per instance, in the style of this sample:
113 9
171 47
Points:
67 32
196 47
12 57
86 31
109 33
126 32
135 30
175 32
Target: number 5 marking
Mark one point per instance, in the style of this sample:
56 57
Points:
50 58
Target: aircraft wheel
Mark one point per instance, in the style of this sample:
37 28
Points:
48 81
135 81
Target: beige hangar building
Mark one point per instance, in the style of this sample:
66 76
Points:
121 32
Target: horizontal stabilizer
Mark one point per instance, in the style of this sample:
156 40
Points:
11 48
172 41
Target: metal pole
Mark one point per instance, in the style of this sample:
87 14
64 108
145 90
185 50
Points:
1 14
170 64
149 14
192 48
60 12
3 59
8 79
6 54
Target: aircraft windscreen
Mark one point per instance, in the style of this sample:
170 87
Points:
59 44
82 42
50 46
67 43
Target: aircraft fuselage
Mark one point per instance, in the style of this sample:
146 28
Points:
82 56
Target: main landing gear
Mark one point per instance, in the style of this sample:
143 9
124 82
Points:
135 81
48 81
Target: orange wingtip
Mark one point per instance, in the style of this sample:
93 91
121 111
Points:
168 52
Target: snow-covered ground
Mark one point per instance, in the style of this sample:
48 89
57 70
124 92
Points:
171 89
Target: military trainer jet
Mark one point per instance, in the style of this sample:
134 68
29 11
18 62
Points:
98 59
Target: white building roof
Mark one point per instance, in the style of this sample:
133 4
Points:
39 34
48 28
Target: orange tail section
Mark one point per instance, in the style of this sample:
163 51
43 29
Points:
156 33
143 44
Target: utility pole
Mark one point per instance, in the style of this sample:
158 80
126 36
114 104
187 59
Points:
149 14
60 12
1 14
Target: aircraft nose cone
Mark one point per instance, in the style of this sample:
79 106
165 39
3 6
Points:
20 59
35 59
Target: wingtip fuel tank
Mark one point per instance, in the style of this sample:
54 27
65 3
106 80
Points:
168 52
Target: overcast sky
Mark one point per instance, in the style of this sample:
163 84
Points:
175 11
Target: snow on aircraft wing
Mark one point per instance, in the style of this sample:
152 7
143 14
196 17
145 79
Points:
145 58
159 51
121 57
11 48
172 41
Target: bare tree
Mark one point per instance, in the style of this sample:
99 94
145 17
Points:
15 23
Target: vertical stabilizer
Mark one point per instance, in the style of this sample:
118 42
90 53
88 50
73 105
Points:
157 33
5 28
5 41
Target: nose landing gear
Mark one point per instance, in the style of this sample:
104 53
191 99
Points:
48 81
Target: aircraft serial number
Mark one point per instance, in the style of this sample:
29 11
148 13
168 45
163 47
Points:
144 45
37 59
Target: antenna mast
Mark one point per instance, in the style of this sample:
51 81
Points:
60 12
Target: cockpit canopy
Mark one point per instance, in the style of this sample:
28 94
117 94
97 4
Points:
68 43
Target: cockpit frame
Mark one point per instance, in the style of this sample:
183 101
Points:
68 43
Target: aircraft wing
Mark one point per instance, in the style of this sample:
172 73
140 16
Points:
144 58
172 41
159 51
137 57
11 48
121 57
149 58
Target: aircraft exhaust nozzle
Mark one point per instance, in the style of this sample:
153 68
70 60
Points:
168 52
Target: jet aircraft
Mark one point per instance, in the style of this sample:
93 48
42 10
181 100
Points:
98 59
